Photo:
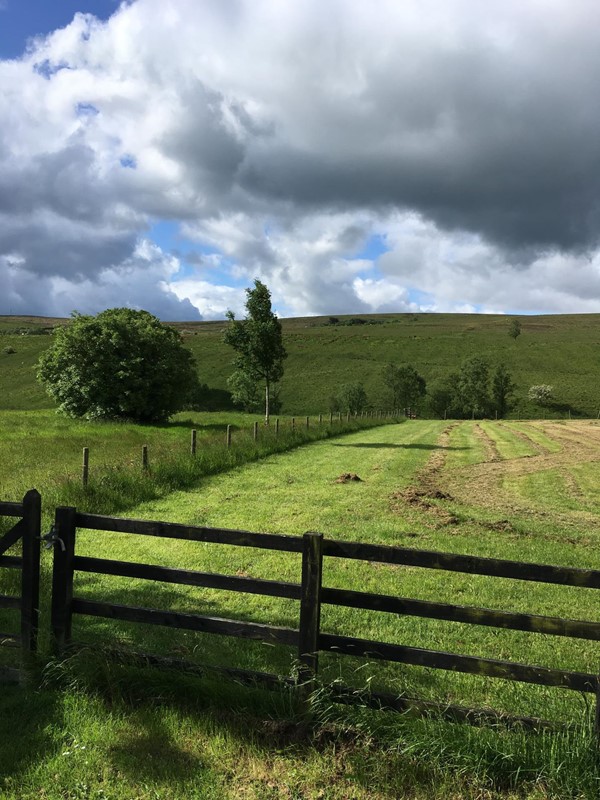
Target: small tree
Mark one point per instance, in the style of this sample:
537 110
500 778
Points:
258 341
502 388
473 388
352 397
405 384
443 399
514 328
120 364
541 394
245 391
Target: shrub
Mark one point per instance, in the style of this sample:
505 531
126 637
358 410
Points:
120 364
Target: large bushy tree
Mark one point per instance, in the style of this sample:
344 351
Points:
120 364
258 343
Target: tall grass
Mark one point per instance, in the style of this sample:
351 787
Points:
114 489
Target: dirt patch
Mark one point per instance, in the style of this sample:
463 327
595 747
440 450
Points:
348 477
426 489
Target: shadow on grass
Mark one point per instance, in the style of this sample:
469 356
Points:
27 720
408 446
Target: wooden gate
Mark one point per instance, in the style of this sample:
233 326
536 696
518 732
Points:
308 637
27 532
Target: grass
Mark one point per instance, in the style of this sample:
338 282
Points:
44 450
560 350
146 735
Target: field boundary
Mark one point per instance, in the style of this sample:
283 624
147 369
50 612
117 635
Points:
308 638
27 531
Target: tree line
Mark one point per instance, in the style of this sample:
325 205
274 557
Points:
126 364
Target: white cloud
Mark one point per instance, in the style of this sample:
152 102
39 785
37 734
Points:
285 135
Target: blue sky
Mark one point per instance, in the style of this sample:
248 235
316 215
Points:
22 19
429 155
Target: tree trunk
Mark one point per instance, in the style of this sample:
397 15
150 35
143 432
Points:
267 402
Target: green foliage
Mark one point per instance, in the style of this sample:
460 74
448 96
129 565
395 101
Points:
407 387
473 387
442 400
121 364
514 328
561 349
258 342
245 391
502 388
352 397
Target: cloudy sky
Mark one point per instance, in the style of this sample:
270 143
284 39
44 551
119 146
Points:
380 156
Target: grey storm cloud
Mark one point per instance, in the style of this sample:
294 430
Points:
284 135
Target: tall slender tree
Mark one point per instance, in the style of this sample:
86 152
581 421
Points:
257 341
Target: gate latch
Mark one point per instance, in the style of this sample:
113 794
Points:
51 538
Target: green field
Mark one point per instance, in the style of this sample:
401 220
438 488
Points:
560 350
520 490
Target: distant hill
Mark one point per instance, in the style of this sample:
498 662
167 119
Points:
326 352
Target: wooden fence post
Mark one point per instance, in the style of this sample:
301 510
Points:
62 576
331 417
193 442
30 572
307 423
229 436
310 609
145 457
85 466
320 419
293 423
277 427
255 431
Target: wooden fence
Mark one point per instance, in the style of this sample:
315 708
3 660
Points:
308 637
27 531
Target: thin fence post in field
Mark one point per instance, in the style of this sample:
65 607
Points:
193 442
293 423
30 572
229 436
145 457
320 419
85 466
277 427
255 431
62 576
331 417
310 609
597 714
307 423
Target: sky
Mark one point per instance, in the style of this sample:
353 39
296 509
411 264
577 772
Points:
357 157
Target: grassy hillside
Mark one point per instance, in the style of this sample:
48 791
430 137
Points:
559 350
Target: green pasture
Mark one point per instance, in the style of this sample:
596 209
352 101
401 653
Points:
203 738
560 350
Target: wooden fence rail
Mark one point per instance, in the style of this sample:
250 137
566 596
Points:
27 531
308 637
